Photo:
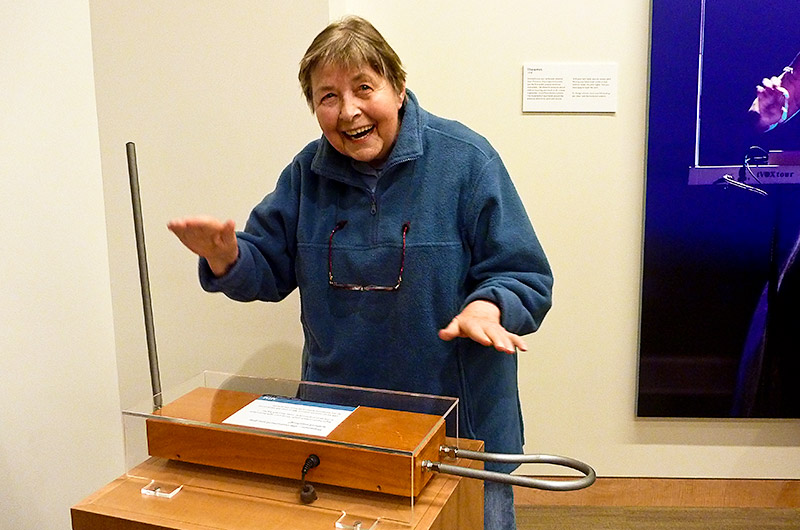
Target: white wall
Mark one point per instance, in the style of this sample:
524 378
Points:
208 92
60 427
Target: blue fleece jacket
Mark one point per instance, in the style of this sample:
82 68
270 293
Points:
469 238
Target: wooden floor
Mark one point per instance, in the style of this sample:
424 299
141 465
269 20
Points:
696 493
662 504
655 518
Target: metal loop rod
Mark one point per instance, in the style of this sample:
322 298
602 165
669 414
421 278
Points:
516 480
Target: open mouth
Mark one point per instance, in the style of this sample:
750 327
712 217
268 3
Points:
359 133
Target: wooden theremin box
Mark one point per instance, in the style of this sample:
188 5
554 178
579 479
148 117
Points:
373 449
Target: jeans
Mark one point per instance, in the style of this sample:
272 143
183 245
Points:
498 507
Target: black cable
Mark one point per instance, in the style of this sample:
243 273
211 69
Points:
307 492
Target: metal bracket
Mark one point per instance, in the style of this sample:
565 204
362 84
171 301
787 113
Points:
161 489
350 522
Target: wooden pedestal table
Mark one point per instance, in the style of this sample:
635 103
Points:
216 498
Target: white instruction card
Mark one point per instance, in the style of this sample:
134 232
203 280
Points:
569 87
290 415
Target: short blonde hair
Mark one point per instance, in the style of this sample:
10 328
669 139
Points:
351 42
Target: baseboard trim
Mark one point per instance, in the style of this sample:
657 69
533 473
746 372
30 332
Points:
726 493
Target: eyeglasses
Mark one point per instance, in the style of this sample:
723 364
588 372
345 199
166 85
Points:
356 287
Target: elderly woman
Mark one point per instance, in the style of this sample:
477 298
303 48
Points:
417 265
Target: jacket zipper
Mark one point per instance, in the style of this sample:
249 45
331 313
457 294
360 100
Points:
373 206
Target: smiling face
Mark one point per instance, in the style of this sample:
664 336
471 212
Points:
357 110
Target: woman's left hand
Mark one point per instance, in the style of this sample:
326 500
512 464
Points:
480 321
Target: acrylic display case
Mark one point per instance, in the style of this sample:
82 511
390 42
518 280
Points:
259 433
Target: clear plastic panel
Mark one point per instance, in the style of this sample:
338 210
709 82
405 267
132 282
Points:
370 462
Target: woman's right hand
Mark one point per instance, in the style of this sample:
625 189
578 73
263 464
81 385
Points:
209 238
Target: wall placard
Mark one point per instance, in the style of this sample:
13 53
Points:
569 87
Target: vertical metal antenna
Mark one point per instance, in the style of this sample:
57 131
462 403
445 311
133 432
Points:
144 278
702 45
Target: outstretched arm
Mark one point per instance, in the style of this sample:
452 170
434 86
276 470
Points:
480 321
209 238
